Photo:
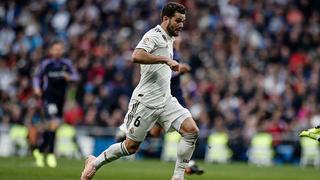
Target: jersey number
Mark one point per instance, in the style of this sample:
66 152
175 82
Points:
137 122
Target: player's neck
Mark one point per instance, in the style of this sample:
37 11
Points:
163 26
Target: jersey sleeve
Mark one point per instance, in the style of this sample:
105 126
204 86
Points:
71 69
148 42
39 73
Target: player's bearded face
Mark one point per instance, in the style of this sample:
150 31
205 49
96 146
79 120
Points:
176 24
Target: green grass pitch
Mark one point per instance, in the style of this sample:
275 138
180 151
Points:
24 169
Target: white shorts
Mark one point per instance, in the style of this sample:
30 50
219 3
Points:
140 119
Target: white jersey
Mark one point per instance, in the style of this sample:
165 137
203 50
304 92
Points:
153 89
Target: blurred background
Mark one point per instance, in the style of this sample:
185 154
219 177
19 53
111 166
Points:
254 82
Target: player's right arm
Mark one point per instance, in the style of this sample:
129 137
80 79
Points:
141 56
38 77
142 53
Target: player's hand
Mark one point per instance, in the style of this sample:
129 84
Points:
184 68
37 92
66 76
174 65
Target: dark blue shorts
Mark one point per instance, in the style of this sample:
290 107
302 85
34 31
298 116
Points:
53 107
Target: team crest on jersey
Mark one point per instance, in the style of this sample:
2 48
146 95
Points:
146 40
131 130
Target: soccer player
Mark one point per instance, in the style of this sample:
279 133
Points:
313 133
151 101
50 83
176 91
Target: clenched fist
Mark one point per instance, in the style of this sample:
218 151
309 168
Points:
174 65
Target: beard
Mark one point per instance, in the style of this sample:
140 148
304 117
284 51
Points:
173 31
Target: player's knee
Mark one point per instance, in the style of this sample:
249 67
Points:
155 131
191 135
192 130
189 127
132 147
191 138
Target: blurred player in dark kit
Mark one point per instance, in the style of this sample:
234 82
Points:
50 83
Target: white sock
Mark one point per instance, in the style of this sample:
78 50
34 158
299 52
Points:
185 150
113 153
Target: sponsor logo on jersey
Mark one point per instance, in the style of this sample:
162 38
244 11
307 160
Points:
146 40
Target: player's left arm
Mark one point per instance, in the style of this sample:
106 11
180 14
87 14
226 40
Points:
71 74
40 72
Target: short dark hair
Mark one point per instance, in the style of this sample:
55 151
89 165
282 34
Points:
170 8
56 41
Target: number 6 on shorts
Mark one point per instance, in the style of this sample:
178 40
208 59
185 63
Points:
137 121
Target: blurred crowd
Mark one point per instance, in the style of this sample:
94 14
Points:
255 64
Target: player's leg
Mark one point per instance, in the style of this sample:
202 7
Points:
35 131
138 122
115 151
192 167
32 137
112 153
179 118
48 111
53 113
313 133
154 132
53 125
189 132
51 134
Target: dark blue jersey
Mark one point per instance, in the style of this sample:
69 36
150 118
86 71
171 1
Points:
50 76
